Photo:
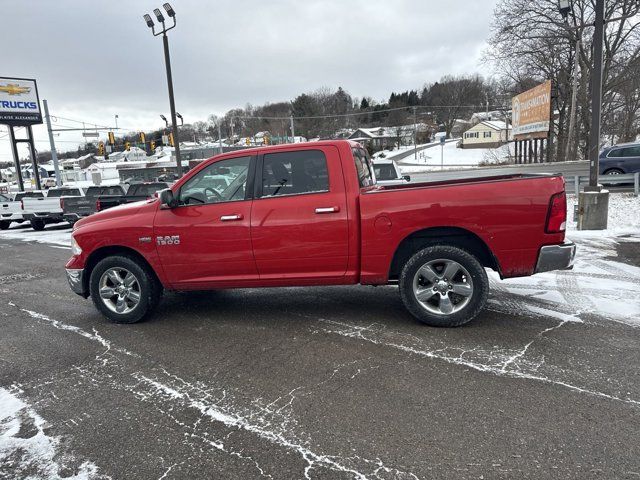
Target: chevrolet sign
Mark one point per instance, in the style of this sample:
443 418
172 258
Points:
19 102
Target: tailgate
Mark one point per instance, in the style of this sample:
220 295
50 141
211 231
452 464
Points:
80 205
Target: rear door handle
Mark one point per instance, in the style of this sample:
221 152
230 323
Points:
327 209
230 218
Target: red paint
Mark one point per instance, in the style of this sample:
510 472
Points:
279 241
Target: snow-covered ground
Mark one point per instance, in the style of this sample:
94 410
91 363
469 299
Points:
430 159
397 151
27 451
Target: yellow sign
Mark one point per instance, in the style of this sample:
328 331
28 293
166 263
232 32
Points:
14 89
531 112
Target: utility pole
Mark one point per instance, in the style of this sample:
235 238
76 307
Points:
219 136
172 104
293 131
570 151
52 144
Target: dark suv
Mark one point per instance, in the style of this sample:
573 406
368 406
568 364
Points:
620 159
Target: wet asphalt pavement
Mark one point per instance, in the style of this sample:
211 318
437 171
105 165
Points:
335 382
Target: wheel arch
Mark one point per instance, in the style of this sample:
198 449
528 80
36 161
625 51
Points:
110 251
453 236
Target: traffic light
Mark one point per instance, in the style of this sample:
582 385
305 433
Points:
171 139
142 137
127 146
101 148
112 138
152 145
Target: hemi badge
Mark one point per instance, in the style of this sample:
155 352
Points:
145 239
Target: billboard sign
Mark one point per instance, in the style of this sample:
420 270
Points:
19 102
532 113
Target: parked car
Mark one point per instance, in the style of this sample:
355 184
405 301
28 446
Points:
620 159
135 193
311 214
41 211
75 208
388 173
11 207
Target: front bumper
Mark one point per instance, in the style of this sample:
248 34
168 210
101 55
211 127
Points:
76 281
556 257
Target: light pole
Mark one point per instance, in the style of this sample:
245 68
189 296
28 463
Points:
167 61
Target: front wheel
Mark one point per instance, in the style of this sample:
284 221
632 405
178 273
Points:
4 224
444 286
123 290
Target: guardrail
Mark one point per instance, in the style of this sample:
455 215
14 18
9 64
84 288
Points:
607 180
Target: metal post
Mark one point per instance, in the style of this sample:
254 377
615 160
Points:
232 140
596 99
293 131
34 158
441 156
16 159
576 183
415 135
219 137
52 144
172 105
636 184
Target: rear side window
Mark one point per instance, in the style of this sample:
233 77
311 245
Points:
364 168
616 153
631 152
292 173
147 190
385 171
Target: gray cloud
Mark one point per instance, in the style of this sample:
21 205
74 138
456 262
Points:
95 59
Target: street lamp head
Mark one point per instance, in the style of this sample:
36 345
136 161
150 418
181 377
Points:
158 15
170 11
147 18
564 6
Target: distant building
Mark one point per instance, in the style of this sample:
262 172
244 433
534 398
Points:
486 134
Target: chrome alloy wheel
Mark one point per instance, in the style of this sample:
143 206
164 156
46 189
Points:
119 290
442 287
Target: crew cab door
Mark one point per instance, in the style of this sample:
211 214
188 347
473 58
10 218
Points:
299 222
205 241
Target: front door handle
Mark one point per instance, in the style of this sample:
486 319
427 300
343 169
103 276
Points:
230 218
327 209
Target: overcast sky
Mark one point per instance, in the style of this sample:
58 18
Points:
95 59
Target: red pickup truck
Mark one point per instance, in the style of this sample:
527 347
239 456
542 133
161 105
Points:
312 214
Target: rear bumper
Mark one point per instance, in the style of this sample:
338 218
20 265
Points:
556 257
76 281
74 217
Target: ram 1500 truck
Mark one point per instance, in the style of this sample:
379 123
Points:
311 214
11 207
79 207
40 211
135 193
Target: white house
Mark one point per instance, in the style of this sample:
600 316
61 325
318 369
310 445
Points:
486 134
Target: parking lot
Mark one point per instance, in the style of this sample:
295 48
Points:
334 382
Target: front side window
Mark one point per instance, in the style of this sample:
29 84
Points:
290 173
364 169
223 181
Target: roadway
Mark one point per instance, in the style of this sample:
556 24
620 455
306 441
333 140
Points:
335 383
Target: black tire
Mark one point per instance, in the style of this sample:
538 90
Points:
478 281
4 224
614 171
150 288
37 224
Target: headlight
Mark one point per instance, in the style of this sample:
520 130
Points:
75 248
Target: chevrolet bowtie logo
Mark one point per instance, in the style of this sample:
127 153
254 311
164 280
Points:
14 89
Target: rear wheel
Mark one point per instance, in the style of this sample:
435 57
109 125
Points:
614 171
123 290
444 286
4 224
37 224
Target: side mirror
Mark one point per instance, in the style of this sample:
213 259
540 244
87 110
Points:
167 200
407 178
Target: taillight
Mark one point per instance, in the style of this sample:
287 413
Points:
98 205
21 204
62 204
557 217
